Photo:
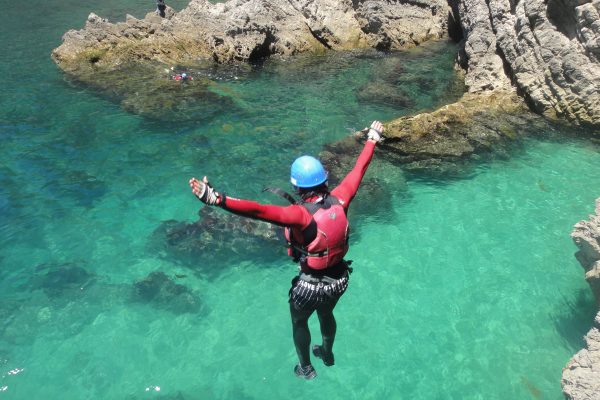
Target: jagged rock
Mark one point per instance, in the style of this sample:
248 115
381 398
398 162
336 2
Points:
160 290
248 30
581 376
549 49
484 64
439 142
127 59
586 235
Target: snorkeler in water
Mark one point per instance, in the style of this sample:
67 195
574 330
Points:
183 77
316 229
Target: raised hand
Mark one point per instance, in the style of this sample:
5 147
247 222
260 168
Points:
375 132
205 192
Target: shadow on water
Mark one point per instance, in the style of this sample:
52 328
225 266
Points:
575 319
161 291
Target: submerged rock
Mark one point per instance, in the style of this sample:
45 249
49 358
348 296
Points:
56 280
441 143
581 376
84 188
126 60
381 181
57 301
160 290
381 92
216 235
151 91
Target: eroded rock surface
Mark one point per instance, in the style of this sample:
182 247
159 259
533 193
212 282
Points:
581 376
443 142
586 235
248 30
549 49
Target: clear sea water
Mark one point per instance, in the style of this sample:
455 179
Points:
463 289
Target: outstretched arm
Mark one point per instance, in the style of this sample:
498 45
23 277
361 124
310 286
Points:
292 216
347 189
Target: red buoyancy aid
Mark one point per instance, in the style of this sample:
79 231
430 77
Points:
328 231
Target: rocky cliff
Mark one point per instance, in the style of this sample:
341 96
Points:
249 30
549 49
581 376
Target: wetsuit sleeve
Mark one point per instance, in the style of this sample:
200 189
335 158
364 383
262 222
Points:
346 190
291 216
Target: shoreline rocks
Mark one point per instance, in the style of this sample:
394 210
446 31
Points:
581 376
548 50
442 142
248 31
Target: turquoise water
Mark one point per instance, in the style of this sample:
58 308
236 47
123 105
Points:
464 289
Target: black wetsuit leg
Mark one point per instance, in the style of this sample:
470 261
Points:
328 326
301 333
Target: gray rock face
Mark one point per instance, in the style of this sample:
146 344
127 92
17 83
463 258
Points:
485 69
581 376
586 235
248 30
550 50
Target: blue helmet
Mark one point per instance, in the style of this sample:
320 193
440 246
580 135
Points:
307 172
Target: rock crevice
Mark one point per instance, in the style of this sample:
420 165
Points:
549 50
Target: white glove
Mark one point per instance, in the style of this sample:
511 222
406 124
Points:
205 192
375 132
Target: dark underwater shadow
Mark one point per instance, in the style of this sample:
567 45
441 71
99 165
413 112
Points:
217 238
575 319
151 92
61 299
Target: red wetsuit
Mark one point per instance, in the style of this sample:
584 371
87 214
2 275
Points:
297 217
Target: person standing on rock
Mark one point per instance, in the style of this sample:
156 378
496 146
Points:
161 7
316 228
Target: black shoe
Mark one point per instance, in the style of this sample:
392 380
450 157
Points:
319 353
307 372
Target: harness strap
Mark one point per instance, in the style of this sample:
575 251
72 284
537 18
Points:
281 193
307 253
315 280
